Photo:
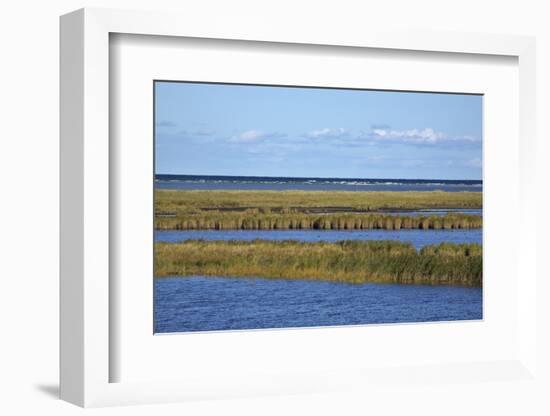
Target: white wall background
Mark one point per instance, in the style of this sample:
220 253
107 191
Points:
29 206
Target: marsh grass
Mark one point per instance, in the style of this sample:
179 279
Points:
322 210
185 201
254 220
345 261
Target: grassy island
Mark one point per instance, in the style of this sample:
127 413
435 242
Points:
333 210
185 201
345 261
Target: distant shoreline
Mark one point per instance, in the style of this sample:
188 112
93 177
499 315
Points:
244 178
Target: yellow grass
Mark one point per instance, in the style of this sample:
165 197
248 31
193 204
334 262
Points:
345 261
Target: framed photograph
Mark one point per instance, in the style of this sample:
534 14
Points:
270 212
267 218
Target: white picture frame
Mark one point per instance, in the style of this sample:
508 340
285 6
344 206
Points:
86 304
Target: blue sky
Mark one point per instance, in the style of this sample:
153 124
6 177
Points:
215 129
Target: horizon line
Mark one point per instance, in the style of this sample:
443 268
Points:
315 177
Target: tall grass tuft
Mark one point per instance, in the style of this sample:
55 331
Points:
344 261
216 220
322 210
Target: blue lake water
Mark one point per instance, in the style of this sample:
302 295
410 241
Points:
419 238
198 303
312 184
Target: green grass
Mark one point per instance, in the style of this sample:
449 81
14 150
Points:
345 261
184 201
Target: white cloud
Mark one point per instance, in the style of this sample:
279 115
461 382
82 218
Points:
376 136
417 136
326 132
251 136
384 134
248 136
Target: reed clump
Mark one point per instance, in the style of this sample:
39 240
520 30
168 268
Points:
345 261
256 220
